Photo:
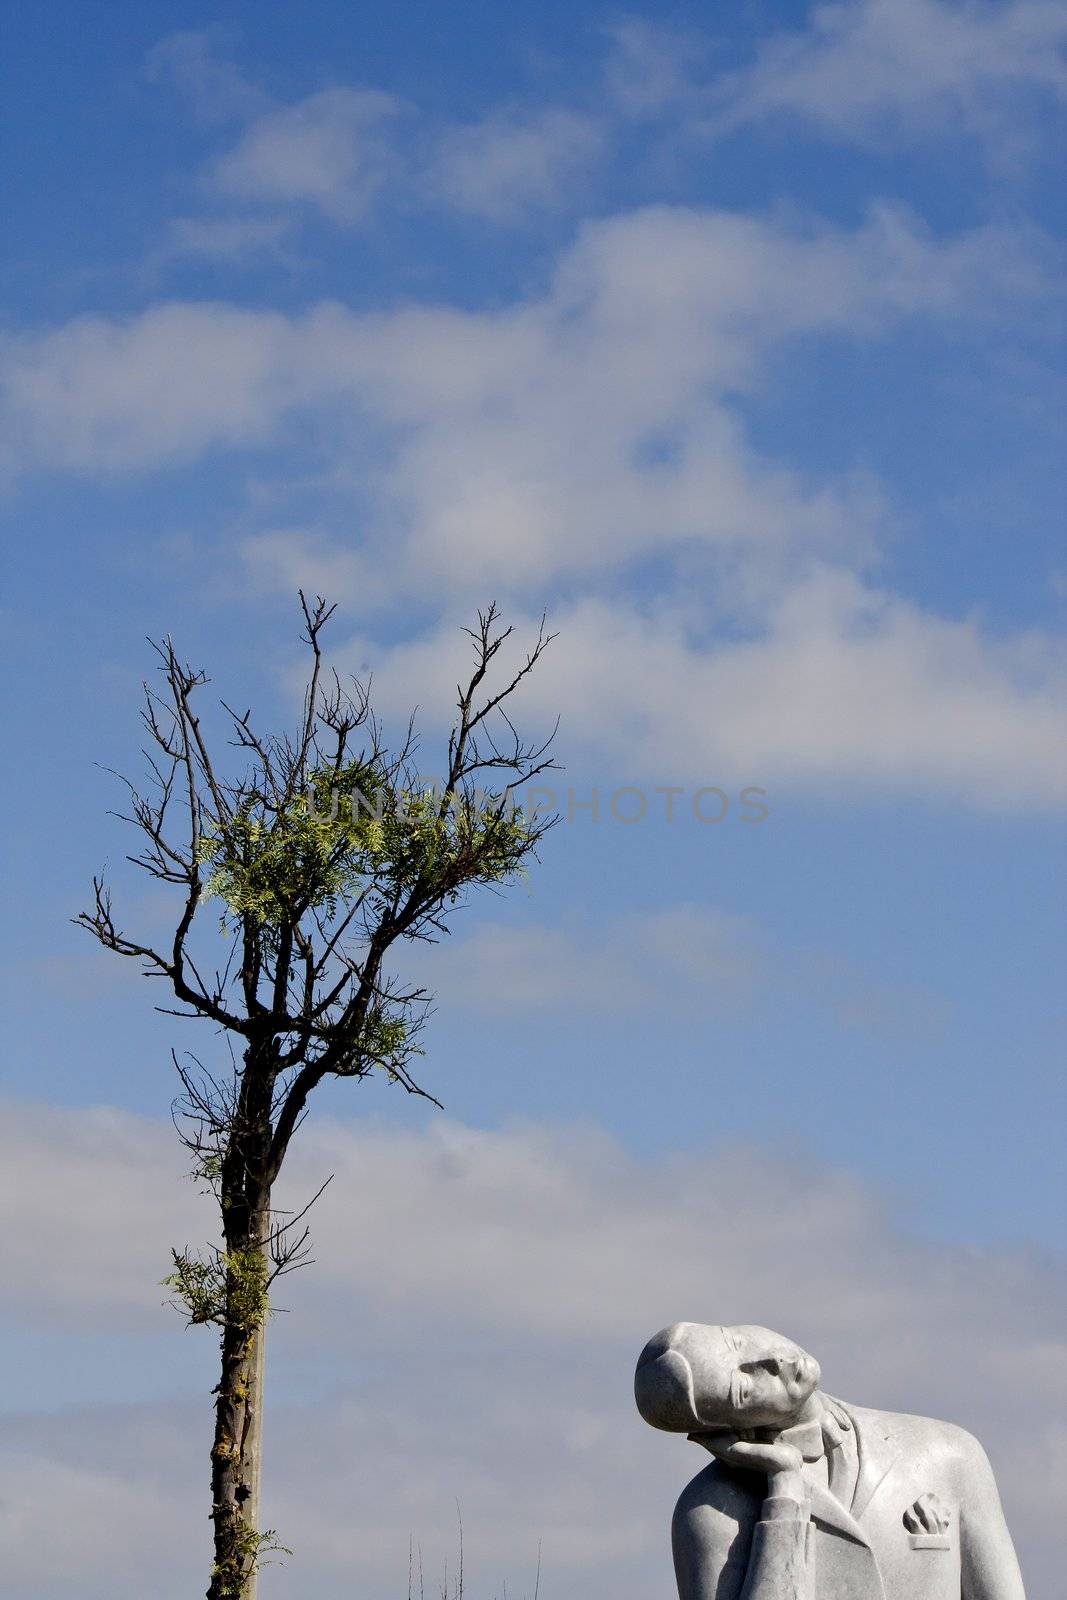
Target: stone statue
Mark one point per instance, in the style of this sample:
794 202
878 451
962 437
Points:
812 1499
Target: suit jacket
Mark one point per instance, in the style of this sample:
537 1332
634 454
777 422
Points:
732 1543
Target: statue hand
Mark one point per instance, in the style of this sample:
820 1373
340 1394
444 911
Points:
783 1463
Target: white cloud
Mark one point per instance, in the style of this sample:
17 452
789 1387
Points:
505 971
603 406
291 559
111 1244
225 239
330 151
192 63
651 69
695 958
513 163
905 69
469 1327
105 395
842 688
584 430
104 1526
606 391
597 423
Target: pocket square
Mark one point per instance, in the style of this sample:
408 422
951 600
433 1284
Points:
928 1522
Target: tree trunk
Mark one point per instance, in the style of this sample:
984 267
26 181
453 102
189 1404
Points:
236 1451
254 1440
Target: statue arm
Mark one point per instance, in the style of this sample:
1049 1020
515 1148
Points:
781 1562
990 1569
715 1558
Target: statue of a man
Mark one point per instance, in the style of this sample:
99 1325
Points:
812 1499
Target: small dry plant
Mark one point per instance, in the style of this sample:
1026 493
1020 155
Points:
454 1587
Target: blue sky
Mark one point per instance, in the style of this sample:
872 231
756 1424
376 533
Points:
737 346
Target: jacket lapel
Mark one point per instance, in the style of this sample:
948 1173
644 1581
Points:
852 1566
878 1454
847 1565
827 1509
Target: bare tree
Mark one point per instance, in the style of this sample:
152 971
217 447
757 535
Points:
324 850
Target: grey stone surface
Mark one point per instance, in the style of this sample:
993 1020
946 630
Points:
812 1498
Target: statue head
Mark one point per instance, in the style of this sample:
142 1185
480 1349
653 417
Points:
695 1377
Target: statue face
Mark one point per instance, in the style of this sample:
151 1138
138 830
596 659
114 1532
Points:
770 1379
695 1377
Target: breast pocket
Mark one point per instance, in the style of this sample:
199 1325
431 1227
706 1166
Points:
928 1565
930 1541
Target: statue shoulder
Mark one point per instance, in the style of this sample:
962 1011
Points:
717 1502
711 1534
946 1442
